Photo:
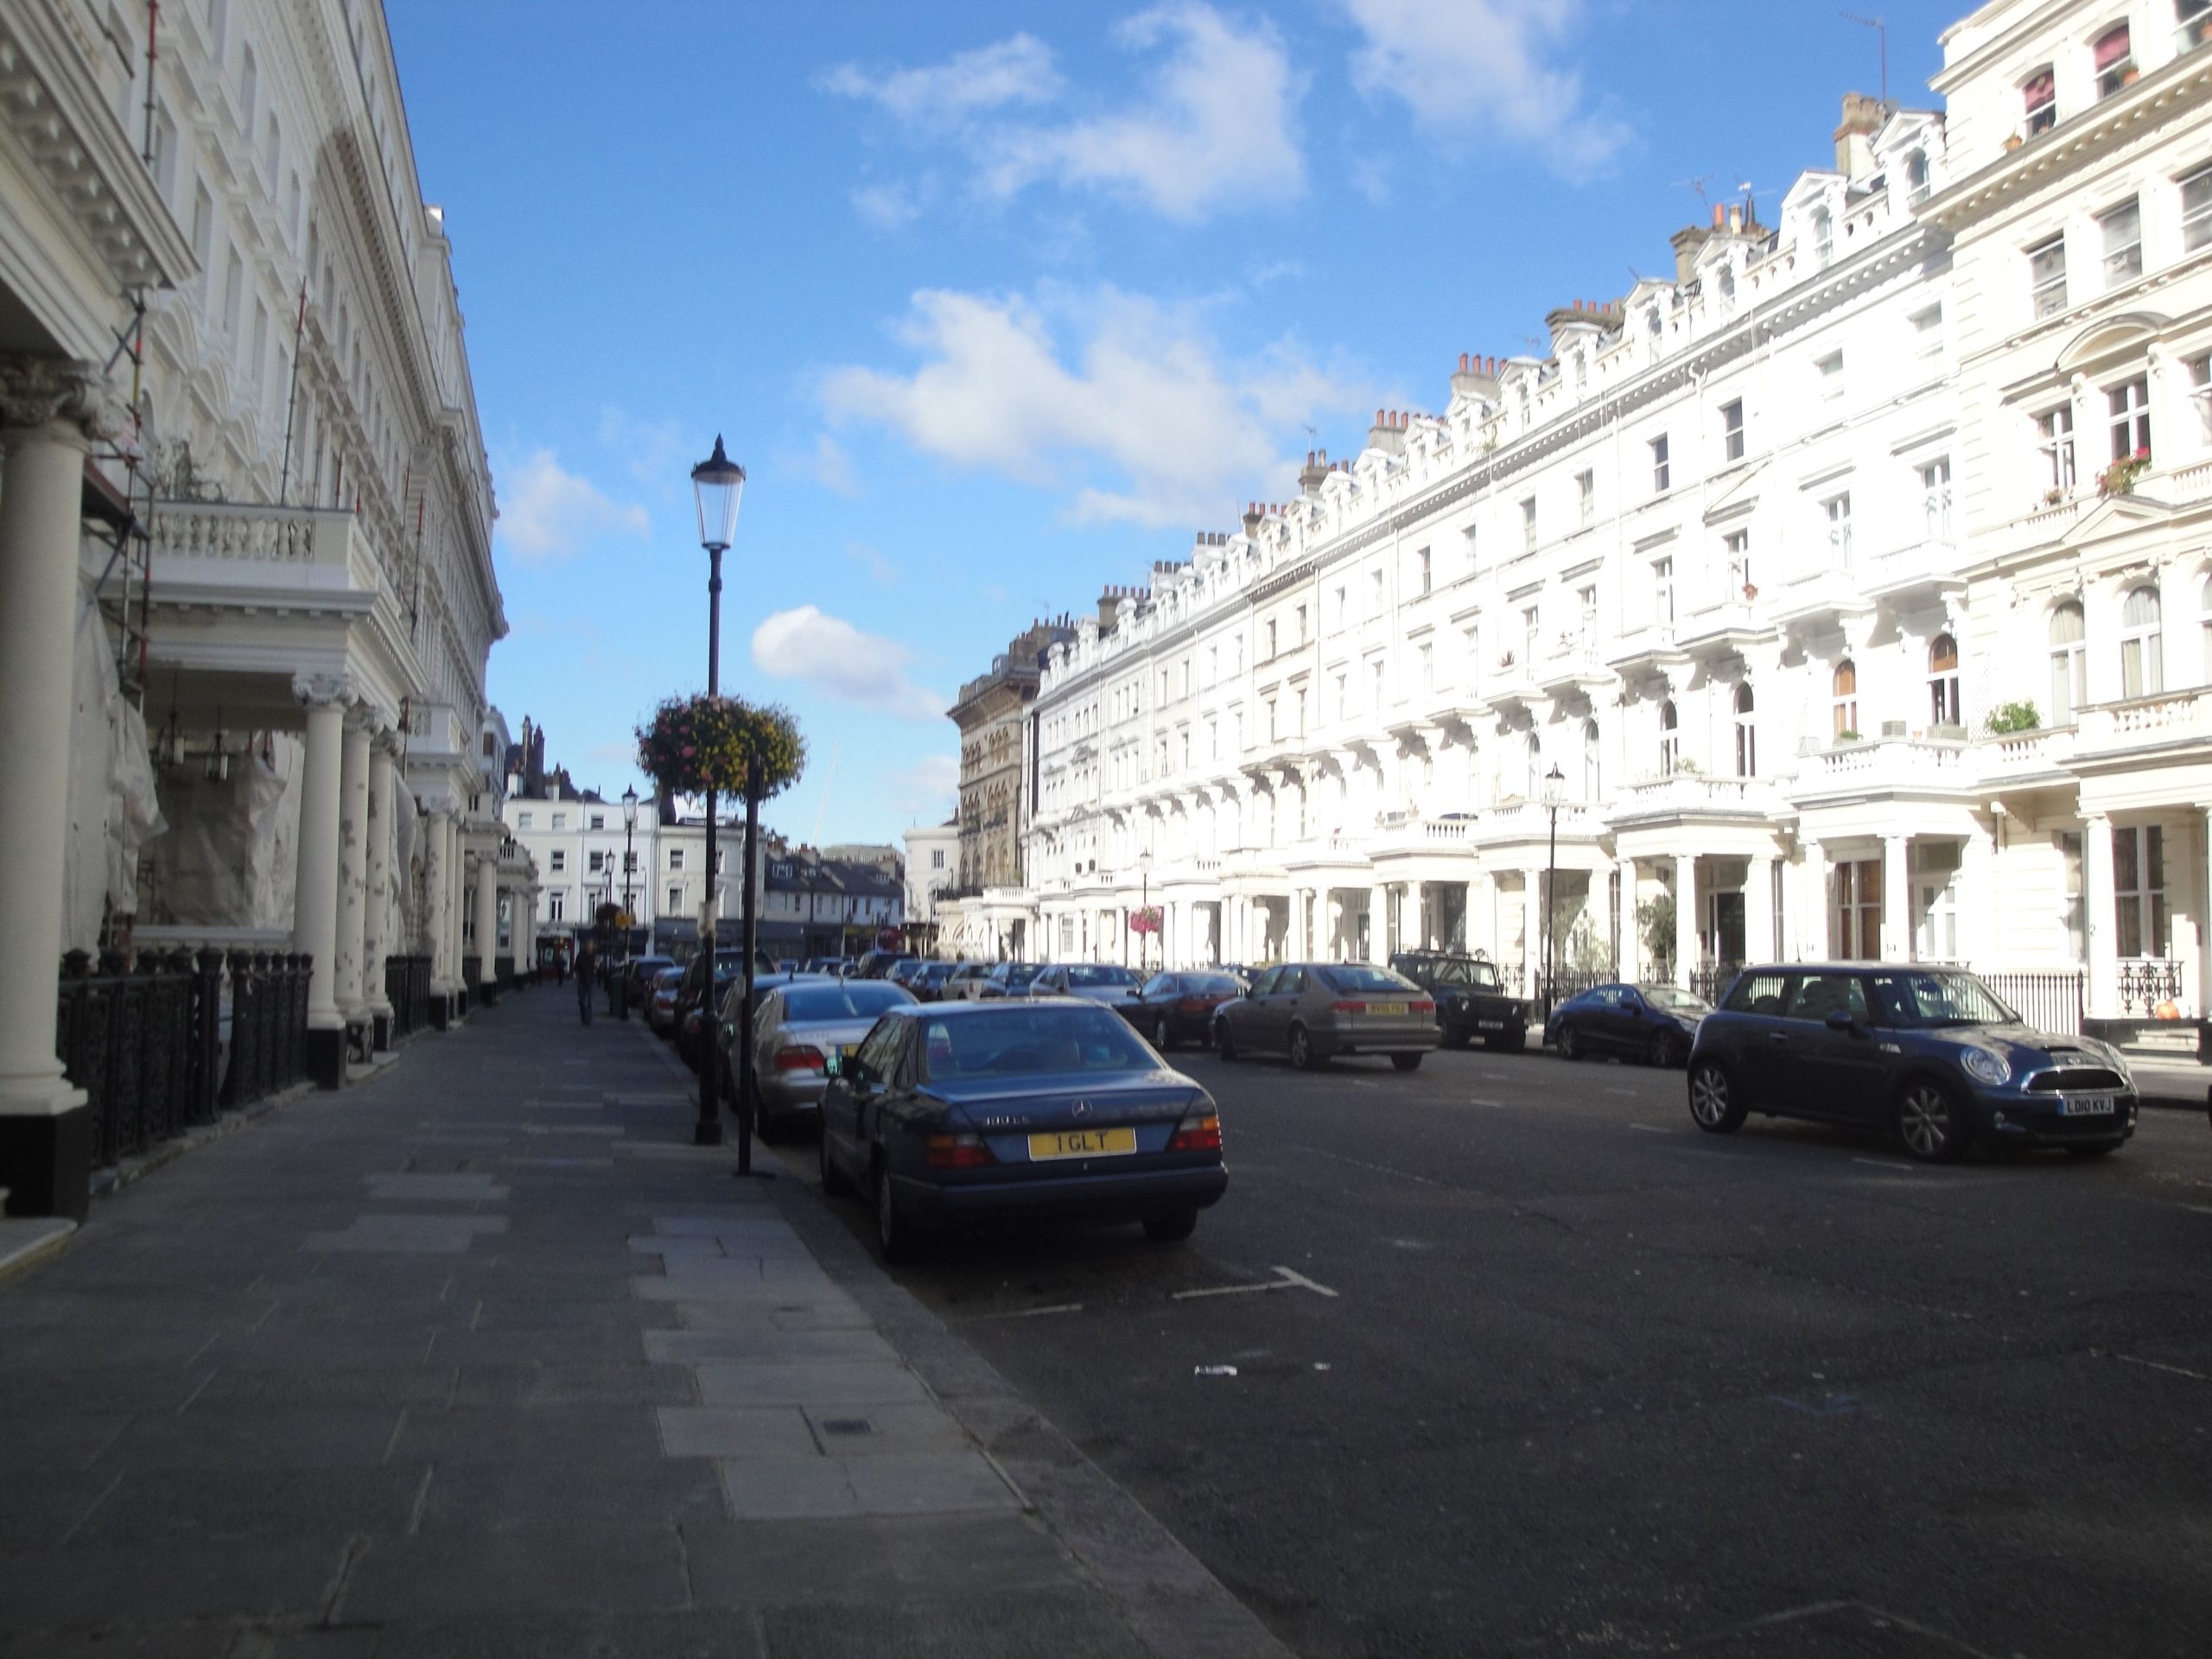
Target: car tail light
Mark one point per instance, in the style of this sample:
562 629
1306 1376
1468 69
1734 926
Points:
1347 1007
1199 1132
957 1152
1195 1004
1422 1005
800 1057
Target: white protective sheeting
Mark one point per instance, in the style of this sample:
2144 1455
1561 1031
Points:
400 933
113 809
230 858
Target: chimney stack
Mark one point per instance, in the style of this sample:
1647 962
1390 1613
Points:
1686 243
1317 468
1855 135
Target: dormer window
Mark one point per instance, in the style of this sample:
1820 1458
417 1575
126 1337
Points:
1916 174
1824 238
2115 63
2039 101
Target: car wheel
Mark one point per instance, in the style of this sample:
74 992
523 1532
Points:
1570 1044
1714 1104
1662 1051
1928 1122
894 1234
1162 1037
833 1183
1301 1050
2101 1149
1406 1062
1224 1044
1172 1227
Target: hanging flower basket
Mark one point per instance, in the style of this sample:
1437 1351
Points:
2118 479
691 745
1146 920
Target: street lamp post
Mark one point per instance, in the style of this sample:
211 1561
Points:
1554 781
717 484
1144 905
629 840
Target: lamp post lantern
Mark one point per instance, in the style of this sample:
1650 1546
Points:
629 840
1144 908
1553 783
717 486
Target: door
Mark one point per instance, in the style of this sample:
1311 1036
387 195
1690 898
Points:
1617 1018
1275 1008
847 1101
1828 1073
1243 1016
1756 1042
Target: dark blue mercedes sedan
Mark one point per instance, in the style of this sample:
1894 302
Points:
1929 1053
960 1114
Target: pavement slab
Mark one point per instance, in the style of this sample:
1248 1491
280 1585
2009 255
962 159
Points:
481 1357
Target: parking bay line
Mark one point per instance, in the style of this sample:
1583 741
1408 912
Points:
1017 1314
1287 1279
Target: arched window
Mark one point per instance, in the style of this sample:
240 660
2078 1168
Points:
1824 238
1725 281
1916 177
1671 739
2039 102
1590 776
2142 666
2115 58
1843 699
1747 735
2070 663
1943 681
1531 785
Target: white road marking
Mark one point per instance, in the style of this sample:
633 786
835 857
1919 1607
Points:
1651 1129
1888 1163
2176 1371
1625 1094
1477 1100
1287 1280
1019 1312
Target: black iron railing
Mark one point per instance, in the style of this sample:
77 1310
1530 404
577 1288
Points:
2144 983
503 972
407 988
269 1024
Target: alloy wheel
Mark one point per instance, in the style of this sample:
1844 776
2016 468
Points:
1927 1123
1570 1045
1712 1100
1162 1039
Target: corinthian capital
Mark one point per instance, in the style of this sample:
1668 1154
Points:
36 390
323 689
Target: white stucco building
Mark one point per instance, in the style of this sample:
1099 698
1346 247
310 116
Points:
1753 559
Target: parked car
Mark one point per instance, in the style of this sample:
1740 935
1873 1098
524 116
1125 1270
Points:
876 964
928 980
1313 1011
1173 1008
1103 982
692 995
966 1114
965 982
788 964
797 1027
902 971
1930 1053
1007 979
1654 1023
640 972
660 1002
1471 1002
835 966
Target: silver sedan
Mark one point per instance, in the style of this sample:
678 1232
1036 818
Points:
1313 1011
797 1028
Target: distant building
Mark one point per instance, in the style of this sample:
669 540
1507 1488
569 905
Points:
997 792
932 864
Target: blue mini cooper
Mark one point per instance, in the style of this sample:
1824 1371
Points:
1931 1053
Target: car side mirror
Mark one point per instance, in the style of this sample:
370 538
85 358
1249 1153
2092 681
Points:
1840 1021
833 1064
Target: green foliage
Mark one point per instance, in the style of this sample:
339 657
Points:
1654 925
691 745
2014 717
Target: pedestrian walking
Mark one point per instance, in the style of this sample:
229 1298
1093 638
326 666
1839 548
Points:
587 966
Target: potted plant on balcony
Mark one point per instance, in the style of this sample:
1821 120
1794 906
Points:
2053 496
1846 735
2008 718
1751 590
2118 479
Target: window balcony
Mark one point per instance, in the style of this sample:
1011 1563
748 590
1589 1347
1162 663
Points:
1885 765
1924 569
2017 758
1724 629
1686 795
1823 594
1572 665
2171 720
1646 650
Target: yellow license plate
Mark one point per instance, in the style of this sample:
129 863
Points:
1082 1143
846 1050
1398 1008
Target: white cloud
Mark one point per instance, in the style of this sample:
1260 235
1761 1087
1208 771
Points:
831 654
1215 128
658 453
1180 435
1018 70
1486 66
547 514
926 790
832 465
1217 131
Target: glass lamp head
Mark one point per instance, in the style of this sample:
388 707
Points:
717 483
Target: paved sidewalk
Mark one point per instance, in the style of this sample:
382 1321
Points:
483 1357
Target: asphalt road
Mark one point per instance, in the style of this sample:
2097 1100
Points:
1525 1363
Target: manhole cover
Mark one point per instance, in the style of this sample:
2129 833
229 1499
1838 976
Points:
846 1426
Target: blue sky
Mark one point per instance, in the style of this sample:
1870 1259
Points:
999 304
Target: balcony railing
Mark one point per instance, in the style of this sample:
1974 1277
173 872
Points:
2171 716
1886 762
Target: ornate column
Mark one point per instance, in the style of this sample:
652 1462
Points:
1378 923
352 867
1759 943
487 926
1813 908
457 897
50 411
376 938
437 855
1632 956
1896 898
2099 915
1685 917
1532 932
315 897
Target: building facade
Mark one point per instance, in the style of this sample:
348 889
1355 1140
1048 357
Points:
255 540
1750 607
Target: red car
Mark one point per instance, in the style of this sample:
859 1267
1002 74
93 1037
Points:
1179 1008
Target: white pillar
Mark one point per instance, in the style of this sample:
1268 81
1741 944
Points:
1758 912
352 868
1896 898
437 854
456 898
1631 966
1378 923
1813 906
2098 914
315 894
376 943
45 1144
1977 902
487 924
1532 931
1685 917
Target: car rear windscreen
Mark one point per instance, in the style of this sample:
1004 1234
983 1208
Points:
1360 977
862 1000
1019 1041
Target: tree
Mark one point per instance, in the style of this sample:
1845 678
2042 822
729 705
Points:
1654 924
